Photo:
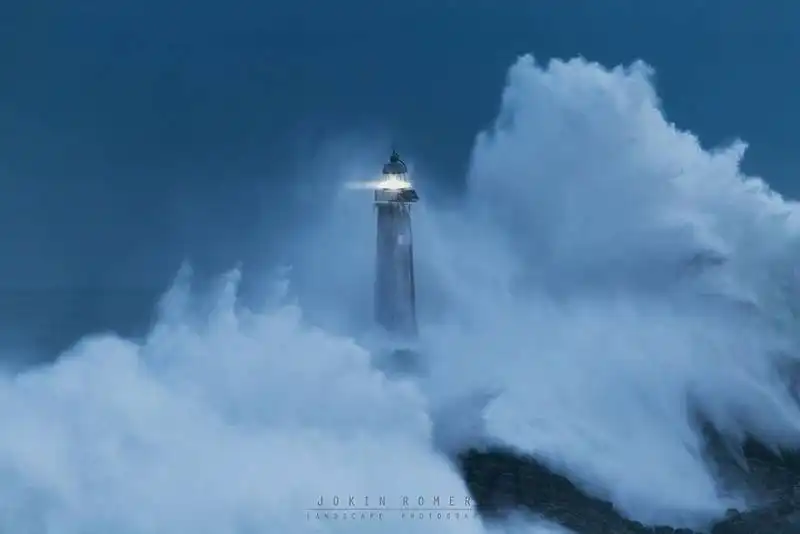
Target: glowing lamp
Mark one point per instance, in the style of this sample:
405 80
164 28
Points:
395 185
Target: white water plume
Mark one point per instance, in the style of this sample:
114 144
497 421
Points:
229 421
603 337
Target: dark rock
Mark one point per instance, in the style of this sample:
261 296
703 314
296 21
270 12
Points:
502 481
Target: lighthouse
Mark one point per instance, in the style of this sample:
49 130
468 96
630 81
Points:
395 299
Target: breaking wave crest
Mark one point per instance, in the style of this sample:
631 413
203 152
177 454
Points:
225 421
604 283
641 281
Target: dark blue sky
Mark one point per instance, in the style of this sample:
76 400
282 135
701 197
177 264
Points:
135 134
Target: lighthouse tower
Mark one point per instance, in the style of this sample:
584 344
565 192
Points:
395 300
